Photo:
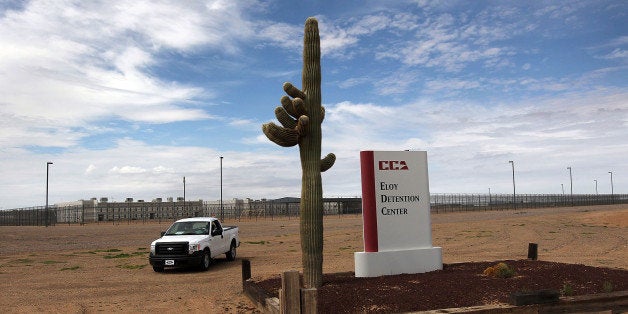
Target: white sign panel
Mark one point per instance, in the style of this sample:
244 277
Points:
402 200
396 213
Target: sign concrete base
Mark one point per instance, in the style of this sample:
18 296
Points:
411 261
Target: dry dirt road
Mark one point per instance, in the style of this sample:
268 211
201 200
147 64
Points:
104 267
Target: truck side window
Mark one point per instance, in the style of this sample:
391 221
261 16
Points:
216 229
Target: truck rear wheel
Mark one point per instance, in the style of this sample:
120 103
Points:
206 261
231 255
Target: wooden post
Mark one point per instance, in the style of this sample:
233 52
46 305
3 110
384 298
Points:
290 294
246 270
533 251
309 300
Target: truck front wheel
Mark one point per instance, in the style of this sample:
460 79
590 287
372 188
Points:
206 261
231 255
158 269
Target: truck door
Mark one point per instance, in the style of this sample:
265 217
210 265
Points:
218 241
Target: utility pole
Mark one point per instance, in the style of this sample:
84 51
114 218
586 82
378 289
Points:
570 185
595 186
514 194
46 213
612 190
222 214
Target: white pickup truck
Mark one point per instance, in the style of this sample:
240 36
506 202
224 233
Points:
193 242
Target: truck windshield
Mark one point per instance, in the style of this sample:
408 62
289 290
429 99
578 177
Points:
188 228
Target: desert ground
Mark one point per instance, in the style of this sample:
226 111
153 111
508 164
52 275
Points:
104 267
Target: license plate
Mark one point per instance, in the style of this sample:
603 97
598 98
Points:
169 262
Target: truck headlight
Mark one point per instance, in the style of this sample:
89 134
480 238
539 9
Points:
194 248
152 249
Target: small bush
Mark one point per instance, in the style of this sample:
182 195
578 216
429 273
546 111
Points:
24 261
567 289
500 270
607 287
121 255
70 268
256 242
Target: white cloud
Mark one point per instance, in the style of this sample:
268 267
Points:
91 168
452 84
127 170
134 169
617 53
335 40
396 83
90 61
469 144
281 34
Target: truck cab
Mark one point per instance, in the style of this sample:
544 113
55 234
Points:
193 242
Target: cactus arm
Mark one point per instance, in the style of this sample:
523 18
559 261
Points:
288 106
281 136
299 106
328 162
301 124
294 107
284 118
293 91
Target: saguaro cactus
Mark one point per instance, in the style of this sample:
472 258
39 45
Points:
301 115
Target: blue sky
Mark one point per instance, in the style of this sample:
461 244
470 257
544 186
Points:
127 98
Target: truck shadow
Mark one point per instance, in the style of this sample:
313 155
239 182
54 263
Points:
217 265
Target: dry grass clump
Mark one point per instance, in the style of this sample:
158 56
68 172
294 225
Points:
500 270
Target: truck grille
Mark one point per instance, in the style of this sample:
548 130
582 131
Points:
172 248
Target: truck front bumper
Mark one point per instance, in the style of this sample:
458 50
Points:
176 261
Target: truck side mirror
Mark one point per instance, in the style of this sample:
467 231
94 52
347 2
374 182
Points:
163 233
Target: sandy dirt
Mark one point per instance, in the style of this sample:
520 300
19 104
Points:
104 267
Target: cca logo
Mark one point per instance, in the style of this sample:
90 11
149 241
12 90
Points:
393 165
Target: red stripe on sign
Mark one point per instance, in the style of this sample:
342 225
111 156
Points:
369 211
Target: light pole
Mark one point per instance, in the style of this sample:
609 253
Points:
612 190
489 197
184 209
562 198
570 186
222 215
47 170
514 195
595 186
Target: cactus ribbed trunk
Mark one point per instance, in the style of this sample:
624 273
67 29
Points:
310 149
301 119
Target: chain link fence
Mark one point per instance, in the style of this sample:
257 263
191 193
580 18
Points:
441 203
133 212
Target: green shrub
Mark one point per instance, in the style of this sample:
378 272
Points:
121 255
500 270
567 289
607 286
70 268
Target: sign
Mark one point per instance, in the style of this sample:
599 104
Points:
396 215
